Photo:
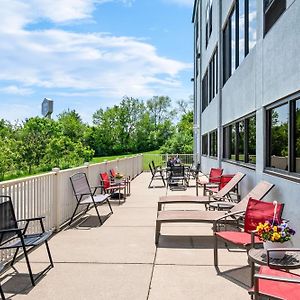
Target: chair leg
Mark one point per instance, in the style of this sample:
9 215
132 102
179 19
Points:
87 208
216 251
15 256
1 293
149 186
157 231
49 254
28 264
74 214
109 206
95 205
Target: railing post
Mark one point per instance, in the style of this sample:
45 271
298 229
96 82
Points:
56 198
87 165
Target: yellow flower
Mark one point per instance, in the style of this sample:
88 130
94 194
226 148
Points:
275 228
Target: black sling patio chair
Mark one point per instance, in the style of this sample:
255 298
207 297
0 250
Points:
177 179
156 175
84 196
13 236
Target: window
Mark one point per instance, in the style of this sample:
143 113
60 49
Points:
283 128
239 140
239 35
204 91
210 80
273 10
213 143
205 144
297 136
208 21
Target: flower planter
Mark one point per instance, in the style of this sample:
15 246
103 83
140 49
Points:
276 245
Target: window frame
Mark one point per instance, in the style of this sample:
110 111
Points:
227 140
213 137
291 102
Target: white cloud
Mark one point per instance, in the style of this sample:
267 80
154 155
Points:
189 3
15 90
78 64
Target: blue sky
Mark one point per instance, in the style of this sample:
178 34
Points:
87 54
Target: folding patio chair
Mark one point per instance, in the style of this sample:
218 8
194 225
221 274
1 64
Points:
13 236
156 175
114 189
211 180
257 211
198 216
84 196
223 194
275 283
177 179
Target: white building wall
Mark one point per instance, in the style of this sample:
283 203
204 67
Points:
269 72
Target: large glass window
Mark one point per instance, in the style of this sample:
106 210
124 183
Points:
250 152
233 40
252 23
283 128
213 143
208 23
273 10
205 144
239 35
210 80
240 141
297 136
241 30
279 137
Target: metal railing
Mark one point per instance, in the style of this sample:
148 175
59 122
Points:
51 194
161 159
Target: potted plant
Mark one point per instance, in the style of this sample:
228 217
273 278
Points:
275 235
119 177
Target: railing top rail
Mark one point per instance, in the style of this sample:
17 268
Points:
18 180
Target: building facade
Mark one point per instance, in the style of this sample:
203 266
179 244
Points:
247 94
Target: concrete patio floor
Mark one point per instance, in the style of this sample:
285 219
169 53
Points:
119 260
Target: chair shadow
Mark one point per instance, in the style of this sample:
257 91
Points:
188 242
88 222
16 283
240 276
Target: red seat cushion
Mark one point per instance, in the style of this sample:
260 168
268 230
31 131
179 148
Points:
282 290
238 238
105 179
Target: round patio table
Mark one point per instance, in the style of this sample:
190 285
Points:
291 260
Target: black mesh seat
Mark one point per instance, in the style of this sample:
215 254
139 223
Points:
13 236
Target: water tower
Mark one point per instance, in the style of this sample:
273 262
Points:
47 108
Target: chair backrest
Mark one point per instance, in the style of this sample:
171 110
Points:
112 173
231 184
215 175
225 179
105 180
259 211
177 171
7 218
151 169
80 184
258 192
153 165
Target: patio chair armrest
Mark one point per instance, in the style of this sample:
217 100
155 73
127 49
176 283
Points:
31 219
253 234
276 278
231 214
19 229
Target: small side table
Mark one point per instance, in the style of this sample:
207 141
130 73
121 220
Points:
291 260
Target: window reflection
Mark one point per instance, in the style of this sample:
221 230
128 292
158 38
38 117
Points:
241 141
252 140
297 129
233 141
279 137
252 23
233 41
241 30
205 144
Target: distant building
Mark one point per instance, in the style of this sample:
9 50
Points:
247 93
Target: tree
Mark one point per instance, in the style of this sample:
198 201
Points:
72 125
